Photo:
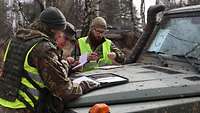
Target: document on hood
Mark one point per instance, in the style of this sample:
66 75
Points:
84 78
109 67
82 60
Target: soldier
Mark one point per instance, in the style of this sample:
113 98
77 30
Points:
34 77
70 35
65 42
101 51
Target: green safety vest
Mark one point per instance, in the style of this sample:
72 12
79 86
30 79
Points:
34 75
86 49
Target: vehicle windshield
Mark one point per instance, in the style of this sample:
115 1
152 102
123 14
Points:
178 36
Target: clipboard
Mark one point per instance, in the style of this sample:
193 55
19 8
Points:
106 79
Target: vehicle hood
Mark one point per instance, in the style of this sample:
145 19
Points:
146 82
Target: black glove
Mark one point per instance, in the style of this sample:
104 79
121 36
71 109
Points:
88 86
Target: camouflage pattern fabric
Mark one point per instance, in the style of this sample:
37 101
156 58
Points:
52 69
7 110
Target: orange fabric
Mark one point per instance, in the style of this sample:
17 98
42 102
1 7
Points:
100 108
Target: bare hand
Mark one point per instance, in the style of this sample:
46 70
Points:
112 55
70 60
93 56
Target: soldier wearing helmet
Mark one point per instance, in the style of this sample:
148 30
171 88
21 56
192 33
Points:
34 77
70 36
99 49
66 42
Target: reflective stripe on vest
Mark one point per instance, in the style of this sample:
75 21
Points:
33 73
86 49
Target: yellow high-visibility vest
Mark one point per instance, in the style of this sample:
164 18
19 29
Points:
86 49
33 73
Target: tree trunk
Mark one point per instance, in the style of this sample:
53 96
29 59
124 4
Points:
132 15
157 2
142 12
89 15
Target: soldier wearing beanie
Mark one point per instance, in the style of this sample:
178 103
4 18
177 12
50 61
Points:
100 50
35 77
99 22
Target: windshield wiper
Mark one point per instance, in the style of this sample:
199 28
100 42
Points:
180 39
160 57
193 49
189 60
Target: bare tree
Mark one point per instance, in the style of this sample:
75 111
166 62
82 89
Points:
132 15
6 25
89 14
142 12
110 10
157 1
170 4
76 14
193 2
134 19
65 6
41 3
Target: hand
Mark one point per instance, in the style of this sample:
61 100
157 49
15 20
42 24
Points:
70 60
93 56
75 63
112 55
88 86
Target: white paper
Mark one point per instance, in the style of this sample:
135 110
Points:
82 60
79 80
109 67
110 79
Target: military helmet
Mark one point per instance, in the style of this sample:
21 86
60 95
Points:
53 17
99 22
70 31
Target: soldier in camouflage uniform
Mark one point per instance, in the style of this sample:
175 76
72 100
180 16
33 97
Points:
70 35
99 48
43 76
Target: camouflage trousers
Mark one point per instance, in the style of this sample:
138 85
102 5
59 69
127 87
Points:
8 110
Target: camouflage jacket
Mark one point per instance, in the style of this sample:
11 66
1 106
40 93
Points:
52 68
99 49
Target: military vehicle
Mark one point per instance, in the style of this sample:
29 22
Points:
163 69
